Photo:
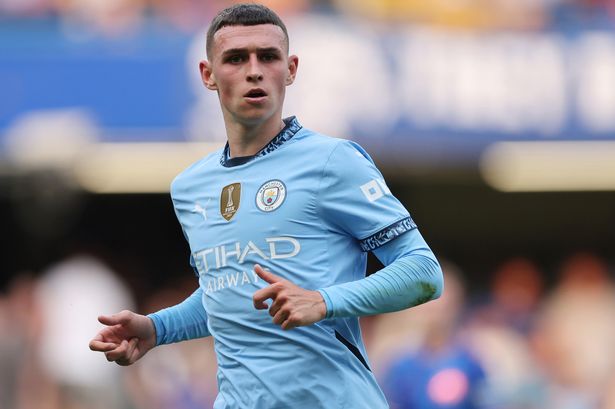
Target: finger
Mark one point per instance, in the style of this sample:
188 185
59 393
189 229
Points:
263 294
132 345
109 335
130 354
275 307
101 346
286 325
120 318
117 353
280 317
266 275
123 362
279 301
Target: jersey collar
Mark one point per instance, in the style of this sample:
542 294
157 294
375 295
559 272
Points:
292 126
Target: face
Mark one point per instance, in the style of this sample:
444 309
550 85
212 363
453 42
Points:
250 69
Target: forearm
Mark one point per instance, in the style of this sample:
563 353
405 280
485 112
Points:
184 321
413 277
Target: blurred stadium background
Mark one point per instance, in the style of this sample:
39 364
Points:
492 120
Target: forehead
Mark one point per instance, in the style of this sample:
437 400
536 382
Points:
250 37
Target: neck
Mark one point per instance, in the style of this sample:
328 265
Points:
249 139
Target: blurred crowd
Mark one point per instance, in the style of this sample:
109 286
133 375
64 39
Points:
522 344
46 323
114 17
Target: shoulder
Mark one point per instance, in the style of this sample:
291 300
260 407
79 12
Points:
333 147
202 165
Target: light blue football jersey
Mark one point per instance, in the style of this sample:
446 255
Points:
307 207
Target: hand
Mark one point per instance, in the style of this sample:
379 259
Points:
292 305
127 337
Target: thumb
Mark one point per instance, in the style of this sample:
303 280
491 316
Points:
266 275
119 318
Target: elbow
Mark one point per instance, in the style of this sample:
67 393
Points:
436 278
433 284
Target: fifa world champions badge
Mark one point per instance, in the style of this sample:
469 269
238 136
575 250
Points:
229 200
271 195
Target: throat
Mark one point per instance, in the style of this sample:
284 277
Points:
249 140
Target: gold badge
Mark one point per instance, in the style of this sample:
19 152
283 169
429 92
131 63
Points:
229 200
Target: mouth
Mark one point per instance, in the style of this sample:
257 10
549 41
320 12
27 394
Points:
255 94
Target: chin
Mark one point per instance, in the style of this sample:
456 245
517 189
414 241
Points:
254 118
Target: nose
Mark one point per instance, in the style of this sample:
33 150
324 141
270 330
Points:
254 69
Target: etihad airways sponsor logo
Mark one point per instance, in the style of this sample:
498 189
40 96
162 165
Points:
220 256
230 280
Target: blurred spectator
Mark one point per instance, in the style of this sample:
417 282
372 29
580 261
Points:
283 7
120 16
442 372
515 293
576 333
517 290
109 17
71 294
193 15
187 15
497 332
582 14
25 8
23 383
479 14
178 376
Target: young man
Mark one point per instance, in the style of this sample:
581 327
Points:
280 221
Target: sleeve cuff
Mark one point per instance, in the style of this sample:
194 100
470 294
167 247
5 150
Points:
158 326
328 303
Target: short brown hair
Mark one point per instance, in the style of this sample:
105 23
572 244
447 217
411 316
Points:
247 14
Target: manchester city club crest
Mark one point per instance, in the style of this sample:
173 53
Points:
271 195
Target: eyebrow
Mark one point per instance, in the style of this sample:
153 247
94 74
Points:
258 50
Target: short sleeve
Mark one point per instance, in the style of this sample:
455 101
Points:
354 199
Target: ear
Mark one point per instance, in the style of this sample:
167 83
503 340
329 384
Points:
207 76
293 64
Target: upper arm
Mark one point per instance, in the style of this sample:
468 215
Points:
355 200
409 243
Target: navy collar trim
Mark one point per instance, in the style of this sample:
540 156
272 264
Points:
290 129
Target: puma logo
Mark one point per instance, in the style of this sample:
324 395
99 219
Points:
201 210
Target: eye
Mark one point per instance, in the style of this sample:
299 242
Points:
234 59
268 57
